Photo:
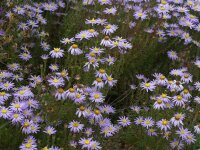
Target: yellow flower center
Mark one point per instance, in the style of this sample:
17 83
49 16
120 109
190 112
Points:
25 54
26 124
16 115
92 54
91 30
93 20
177 117
74 46
151 130
28 145
97 112
45 148
147 122
21 92
98 79
82 108
163 2
140 14
63 73
78 95
185 91
60 90
2 93
4 111
159 101
164 95
106 38
55 80
56 50
162 77
6 84
76 124
108 27
124 120
102 71
186 75
110 78
147 84
71 90
96 96
17 106
87 142
164 122
179 97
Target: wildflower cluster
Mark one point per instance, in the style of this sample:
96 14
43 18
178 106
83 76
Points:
58 86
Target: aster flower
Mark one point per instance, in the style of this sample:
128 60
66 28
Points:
110 60
18 106
56 81
98 83
79 98
95 145
92 21
75 126
16 117
83 35
101 73
190 138
54 67
5 112
109 29
13 67
104 122
85 143
183 132
70 93
197 86
146 122
186 77
96 115
45 46
81 111
106 41
56 53
152 132
177 119
96 97
73 144
163 124
74 50
179 100
139 120
67 41
197 129
60 94
159 104
172 55
124 121
185 93
107 109
19 10
7 86
197 63
4 96
49 130
148 86
176 144
140 15
160 79
111 10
